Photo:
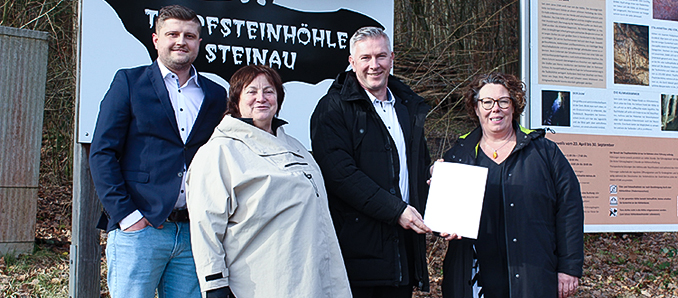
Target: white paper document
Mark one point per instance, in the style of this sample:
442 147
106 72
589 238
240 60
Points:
455 199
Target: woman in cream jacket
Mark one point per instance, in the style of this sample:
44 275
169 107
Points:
260 224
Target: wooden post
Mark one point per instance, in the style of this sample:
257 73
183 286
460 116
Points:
85 257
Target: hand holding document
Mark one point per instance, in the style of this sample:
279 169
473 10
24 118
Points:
455 199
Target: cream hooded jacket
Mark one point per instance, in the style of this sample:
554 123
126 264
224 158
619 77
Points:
260 223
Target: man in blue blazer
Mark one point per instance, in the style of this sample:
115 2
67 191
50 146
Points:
151 122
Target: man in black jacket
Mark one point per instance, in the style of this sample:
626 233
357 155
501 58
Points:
367 135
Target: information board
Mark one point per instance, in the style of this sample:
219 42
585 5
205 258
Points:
603 75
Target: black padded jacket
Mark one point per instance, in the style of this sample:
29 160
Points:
360 165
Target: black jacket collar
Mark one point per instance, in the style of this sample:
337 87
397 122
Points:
275 123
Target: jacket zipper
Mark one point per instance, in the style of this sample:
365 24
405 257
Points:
504 176
393 176
315 187
389 141
506 236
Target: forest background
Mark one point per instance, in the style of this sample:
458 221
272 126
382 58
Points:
439 45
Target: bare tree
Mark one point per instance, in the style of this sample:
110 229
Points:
441 44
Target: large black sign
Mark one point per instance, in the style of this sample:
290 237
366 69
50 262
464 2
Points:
302 46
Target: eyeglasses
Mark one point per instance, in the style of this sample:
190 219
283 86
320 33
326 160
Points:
488 102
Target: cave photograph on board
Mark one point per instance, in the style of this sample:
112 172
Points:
555 108
631 54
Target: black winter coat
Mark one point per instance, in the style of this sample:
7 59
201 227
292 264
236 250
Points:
360 165
543 213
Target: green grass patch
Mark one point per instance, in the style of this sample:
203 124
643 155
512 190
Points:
41 274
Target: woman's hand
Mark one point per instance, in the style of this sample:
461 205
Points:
449 237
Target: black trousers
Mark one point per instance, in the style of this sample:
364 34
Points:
406 288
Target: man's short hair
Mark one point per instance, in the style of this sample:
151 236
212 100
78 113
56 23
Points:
178 12
368 32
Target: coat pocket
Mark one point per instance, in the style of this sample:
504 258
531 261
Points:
359 129
361 237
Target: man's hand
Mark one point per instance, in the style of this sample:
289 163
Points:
142 223
567 285
411 220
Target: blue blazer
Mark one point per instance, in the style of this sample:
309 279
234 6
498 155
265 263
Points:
137 156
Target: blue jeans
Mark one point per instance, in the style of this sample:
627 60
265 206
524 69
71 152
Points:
141 261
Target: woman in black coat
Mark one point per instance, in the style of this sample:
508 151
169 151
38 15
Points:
530 240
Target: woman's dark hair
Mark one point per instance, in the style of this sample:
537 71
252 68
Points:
515 87
243 77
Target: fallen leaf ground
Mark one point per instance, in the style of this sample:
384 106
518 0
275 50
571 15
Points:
623 265
616 265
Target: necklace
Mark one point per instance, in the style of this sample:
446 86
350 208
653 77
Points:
495 154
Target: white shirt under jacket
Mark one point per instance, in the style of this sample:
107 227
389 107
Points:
260 217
